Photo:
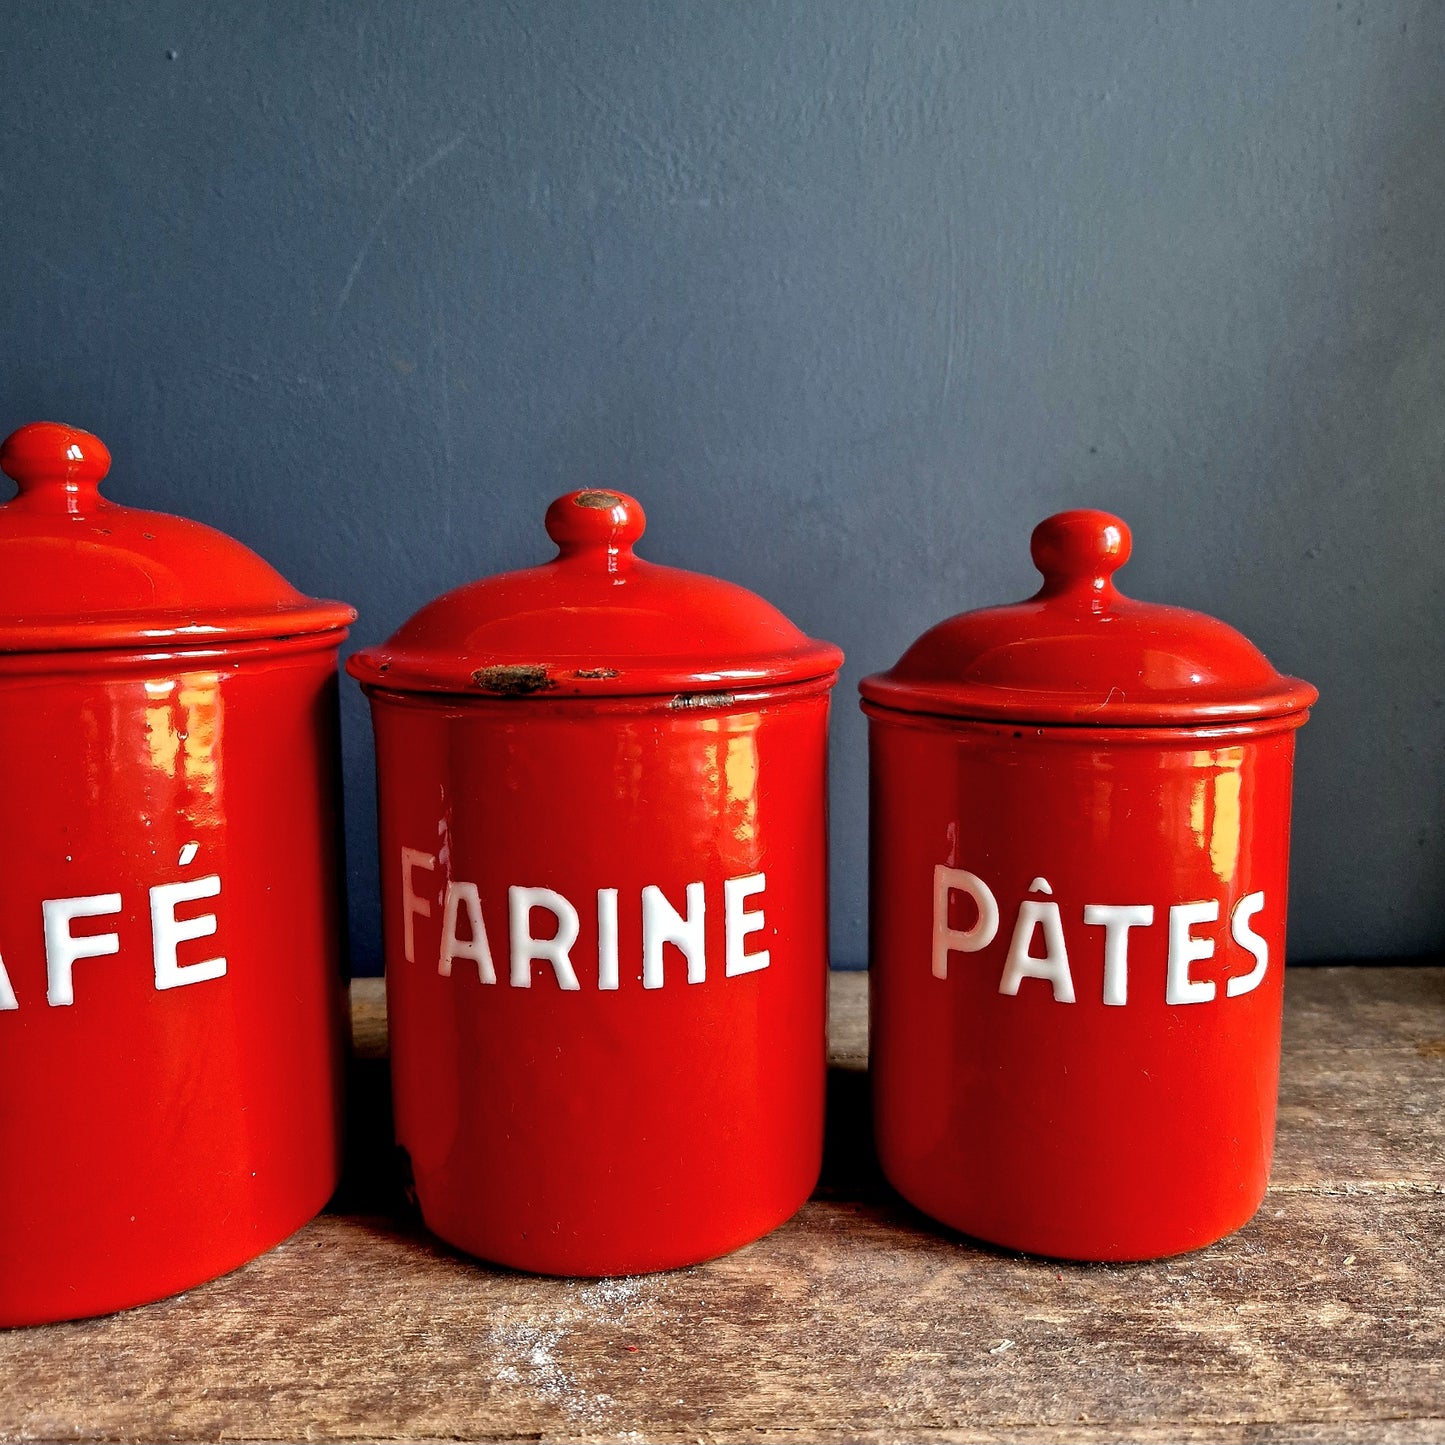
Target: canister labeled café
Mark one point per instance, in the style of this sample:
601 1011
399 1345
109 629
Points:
1080 837
171 998
603 859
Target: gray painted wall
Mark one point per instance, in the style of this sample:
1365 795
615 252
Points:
850 294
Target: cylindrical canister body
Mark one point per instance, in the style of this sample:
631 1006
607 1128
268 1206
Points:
1077 952
606 953
171 990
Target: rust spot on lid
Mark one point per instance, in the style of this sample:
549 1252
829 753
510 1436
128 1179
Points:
603 501
687 701
513 679
588 674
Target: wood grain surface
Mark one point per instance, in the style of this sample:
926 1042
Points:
1324 1319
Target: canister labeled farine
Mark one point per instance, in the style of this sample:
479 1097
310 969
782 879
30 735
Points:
603 861
1079 841
171 991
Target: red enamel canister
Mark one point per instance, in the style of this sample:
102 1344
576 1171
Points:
604 885
171 994
1080 838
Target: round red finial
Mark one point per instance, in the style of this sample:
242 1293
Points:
588 520
55 466
1080 552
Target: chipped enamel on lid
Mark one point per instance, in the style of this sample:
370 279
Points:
82 572
595 621
1079 652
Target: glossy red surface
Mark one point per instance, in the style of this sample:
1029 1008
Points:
649 1094
171 991
1077 933
595 621
1079 651
1080 1129
592 1131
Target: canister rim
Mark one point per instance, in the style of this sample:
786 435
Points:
1103 707
1111 729
191 627
514 684
158 654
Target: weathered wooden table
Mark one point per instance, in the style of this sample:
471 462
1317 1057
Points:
1323 1320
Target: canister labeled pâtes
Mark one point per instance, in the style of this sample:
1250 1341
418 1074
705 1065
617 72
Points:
1080 840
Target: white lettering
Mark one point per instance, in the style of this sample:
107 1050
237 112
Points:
607 938
62 949
1054 965
7 994
1117 919
556 950
412 903
475 946
946 940
167 931
1251 942
464 934
738 924
663 924
1185 949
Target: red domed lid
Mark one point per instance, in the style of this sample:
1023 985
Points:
595 621
1079 652
80 572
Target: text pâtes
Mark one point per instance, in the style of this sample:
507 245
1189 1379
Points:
1043 916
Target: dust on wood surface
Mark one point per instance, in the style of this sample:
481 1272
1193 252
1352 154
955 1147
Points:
1324 1319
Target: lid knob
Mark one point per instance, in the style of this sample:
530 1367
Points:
596 521
1079 552
57 467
